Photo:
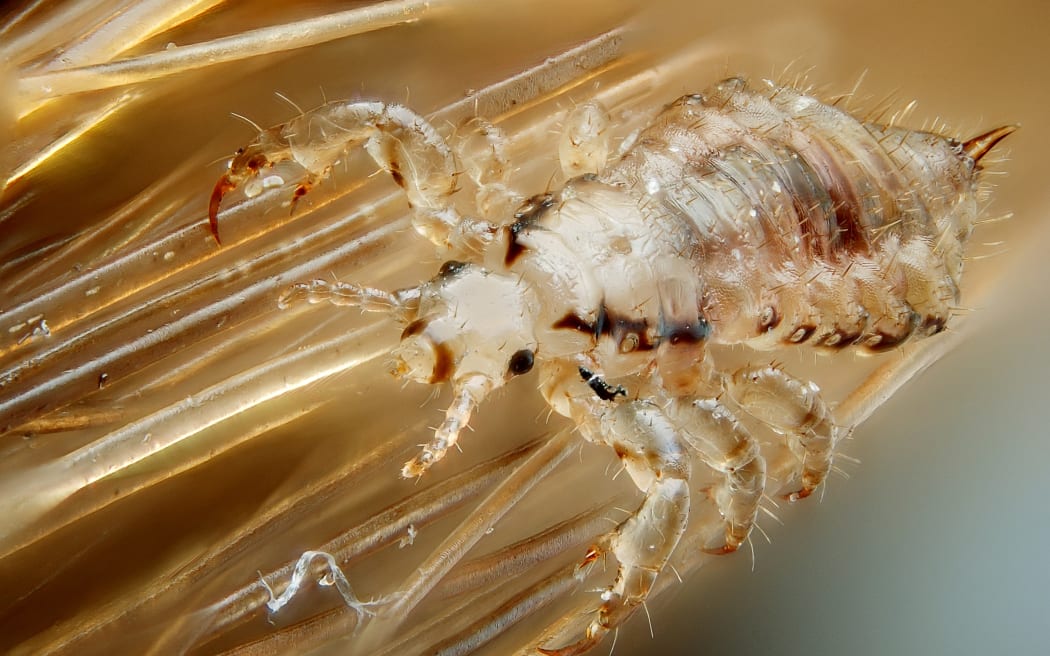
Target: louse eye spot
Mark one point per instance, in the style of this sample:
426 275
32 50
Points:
521 362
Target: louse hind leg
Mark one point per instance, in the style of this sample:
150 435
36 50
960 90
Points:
655 457
726 446
793 408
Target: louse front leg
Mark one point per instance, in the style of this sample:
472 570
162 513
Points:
793 408
401 142
655 457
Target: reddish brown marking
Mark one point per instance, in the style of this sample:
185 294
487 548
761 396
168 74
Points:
395 173
687 333
774 321
720 551
592 555
807 332
572 321
843 227
300 190
932 325
801 494
443 364
845 339
889 341
414 328
222 187
530 213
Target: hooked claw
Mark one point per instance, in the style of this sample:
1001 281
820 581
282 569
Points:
224 185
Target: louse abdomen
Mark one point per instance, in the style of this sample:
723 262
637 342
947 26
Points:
808 225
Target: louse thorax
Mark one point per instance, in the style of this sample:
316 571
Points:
472 327
620 290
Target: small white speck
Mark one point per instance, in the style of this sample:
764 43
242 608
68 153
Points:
169 256
272 181
92 291
409 537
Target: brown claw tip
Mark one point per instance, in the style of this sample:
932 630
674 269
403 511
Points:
222 187
980 145
592 555
721 551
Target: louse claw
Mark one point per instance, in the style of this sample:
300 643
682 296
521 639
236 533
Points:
222 187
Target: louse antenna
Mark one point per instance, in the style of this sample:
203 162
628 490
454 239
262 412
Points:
247 120
290 102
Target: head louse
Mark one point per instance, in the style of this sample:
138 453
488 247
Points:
741 215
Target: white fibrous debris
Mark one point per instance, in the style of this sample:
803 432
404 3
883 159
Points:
333 577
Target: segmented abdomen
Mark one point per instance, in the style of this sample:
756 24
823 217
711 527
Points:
809 226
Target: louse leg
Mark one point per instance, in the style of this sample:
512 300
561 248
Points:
584 145
654 456
727 447
467 394
794 408
481 148
401 303
400 141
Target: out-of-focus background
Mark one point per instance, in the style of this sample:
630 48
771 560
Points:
934 545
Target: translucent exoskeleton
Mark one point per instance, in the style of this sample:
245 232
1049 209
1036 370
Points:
745 214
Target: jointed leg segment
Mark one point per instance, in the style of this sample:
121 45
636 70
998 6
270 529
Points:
728 448
793 408
654 456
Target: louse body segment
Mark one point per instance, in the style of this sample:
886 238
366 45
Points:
756 216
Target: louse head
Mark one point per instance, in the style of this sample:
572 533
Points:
471 324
